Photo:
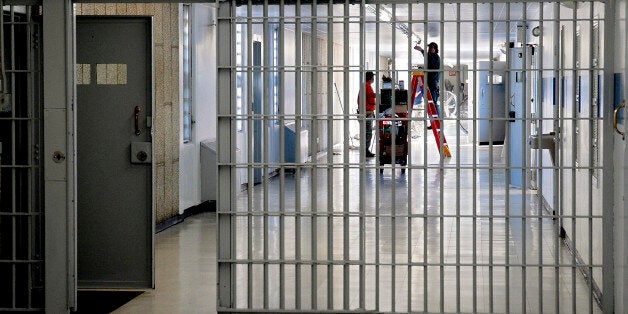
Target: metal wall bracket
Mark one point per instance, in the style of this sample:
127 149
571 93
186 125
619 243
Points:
545 141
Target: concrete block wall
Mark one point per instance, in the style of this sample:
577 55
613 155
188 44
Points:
166 75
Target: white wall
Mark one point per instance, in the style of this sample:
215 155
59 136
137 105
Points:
203 103
579 195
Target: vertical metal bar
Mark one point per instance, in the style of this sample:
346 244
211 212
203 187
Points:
575 102
377 190
608 249
266 105
458 177
376 71
563 126
425 170
347 169
508 165
475 159
524 131
34 140
410 259
227 27
282 156
491 167
330 155
524 222
3 73
538 100
557 126
14 161
442 174
298 153
393 194
249 151
524 113
224 100
393 156
592 142
362 222
362 107
314 152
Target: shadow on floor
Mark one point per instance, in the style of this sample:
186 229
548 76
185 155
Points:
103 301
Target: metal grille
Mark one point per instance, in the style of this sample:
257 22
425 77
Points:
321 227
21 198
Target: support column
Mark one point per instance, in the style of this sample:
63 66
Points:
608 271
58 157
226 156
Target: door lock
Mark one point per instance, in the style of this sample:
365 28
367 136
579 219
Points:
141 156
141 152
58 157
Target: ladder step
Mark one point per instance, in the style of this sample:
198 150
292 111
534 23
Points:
417 82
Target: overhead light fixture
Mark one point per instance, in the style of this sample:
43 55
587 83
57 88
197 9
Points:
387 16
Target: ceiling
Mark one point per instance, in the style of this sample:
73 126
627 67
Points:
452 26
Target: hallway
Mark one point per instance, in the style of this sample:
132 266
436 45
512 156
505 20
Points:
185 254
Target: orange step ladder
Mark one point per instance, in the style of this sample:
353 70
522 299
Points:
432 113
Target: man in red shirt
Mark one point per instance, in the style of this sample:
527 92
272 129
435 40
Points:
371 100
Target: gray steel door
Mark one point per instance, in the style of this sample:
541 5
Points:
114 158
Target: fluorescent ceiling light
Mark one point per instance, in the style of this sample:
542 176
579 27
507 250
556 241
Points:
386 15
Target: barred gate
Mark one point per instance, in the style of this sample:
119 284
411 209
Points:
21 134
512 222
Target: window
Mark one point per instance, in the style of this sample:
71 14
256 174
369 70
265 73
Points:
187 76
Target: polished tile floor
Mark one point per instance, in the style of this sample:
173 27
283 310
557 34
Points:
185 274
430 252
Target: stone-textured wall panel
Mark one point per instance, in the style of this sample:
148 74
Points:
149 9
121 9
175 191
166 82
89 9
159 187
176 117
132 8
159 27
110 9
174 28
100 9
176 113
160 140
168 188
167 56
